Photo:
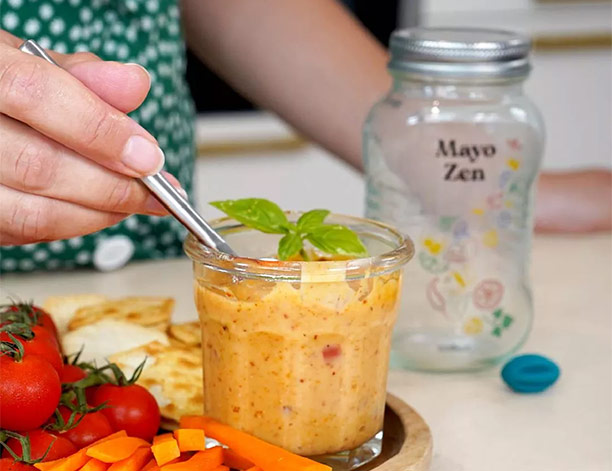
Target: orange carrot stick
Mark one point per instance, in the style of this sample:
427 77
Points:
95 465
151 465
193 421
112 436
76 460
260 453
254 468
49 465
221 468
133 463
181 466
73 462
180 459
117 449
165 451
190 439
234 460
162 438
206 460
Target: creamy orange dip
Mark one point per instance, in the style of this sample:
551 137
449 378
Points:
301 365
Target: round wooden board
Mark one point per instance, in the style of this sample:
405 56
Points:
407 442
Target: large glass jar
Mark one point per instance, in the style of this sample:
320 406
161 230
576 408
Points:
451 154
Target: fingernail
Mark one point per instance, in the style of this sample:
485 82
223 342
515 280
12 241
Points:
140 66
142 156
152 206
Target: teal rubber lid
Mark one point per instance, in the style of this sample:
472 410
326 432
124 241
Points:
530 373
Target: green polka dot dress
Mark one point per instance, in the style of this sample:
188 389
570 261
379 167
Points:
143 31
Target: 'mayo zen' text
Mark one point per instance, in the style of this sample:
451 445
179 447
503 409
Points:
458 171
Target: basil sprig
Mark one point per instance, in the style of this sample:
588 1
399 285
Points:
266 216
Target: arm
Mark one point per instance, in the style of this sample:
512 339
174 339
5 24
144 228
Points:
324 78
578 201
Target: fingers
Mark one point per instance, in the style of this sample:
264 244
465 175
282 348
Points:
27 218
32 163
9 39
124 86
58 105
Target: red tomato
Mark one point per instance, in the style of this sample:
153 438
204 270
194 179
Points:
46 322
90 393
34 312
29 392
7 464
41 346
71 374
39 444
41 333
94 426
131 408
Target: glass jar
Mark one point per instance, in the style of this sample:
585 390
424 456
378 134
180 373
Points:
295 352
451 155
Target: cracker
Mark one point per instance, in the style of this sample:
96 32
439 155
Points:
188 333
173 374
104 338
148 311
62 308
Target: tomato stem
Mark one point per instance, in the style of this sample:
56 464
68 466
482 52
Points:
14 348
119 378
19 312
24 440
73 359
21 329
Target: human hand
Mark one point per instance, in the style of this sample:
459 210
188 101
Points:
69 154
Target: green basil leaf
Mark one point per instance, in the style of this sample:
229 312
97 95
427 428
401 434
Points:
311 220
289 245
337 240
258 213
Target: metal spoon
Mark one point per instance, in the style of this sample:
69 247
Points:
161 188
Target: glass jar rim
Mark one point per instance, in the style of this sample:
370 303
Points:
299 271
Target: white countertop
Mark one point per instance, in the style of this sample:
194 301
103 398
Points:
477 423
